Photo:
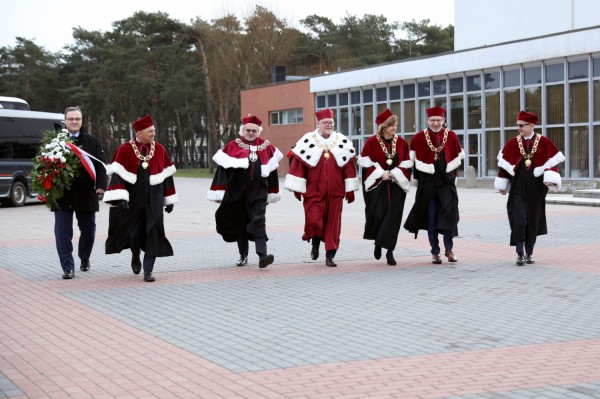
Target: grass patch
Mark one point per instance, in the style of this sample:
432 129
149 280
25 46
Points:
200 173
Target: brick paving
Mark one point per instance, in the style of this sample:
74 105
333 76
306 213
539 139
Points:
482 328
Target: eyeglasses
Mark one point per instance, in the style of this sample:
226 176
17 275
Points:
522 124
328 123
251 130
73 119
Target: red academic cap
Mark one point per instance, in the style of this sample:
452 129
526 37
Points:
142 123
384 116
252 119
527 117
436 111
325 113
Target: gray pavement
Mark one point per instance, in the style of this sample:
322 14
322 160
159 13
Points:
537 328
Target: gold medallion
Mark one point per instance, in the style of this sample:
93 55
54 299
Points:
252 157
528 162
389 161
145 165
435 157
326 155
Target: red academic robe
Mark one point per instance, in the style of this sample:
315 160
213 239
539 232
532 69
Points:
323 182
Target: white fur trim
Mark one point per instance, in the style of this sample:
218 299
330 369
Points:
120 170
273 197
455 163
552 162
365 162
372 179
116 195
407 164
160 177
295 183
311 153
400 179
274 160
215 195
551 176
171 199
501 183
227 162
504 164
424 167
351 184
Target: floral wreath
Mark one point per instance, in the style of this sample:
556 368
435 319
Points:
54 168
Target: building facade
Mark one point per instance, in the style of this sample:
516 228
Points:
556 76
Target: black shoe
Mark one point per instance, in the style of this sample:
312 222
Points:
314 252
69 274
529 259
148 277
85 265
264 261
329 262
136 265
390 258
377 252
243 261
520 260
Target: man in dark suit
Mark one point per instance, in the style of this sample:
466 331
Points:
81 199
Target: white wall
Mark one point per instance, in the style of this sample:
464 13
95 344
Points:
479 23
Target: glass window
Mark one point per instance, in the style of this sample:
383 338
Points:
596 67
512 106
492 148
557 135
368 96
409 116
457 113
492 109
409 90
321 102
492 80
439 87
441 102
533 101
474 118
274 118
579 150
533 75
332 100
369 122
343 120
456 85
423 105
343 97
556 104
596 152
395 108
424 89
394 92
355 97
287 117
555 73
381 94
474 83
512 78
578 102
578 69
355 120
597 100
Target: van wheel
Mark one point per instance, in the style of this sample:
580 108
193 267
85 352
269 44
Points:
18 194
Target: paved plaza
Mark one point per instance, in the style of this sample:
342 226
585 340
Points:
482 328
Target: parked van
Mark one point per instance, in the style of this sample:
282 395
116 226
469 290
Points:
20 136
13 103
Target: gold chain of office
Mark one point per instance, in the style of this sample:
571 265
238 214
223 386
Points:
439 149
252 156
533 149
142 158
385 150
325 148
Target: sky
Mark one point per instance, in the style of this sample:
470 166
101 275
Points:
50 23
